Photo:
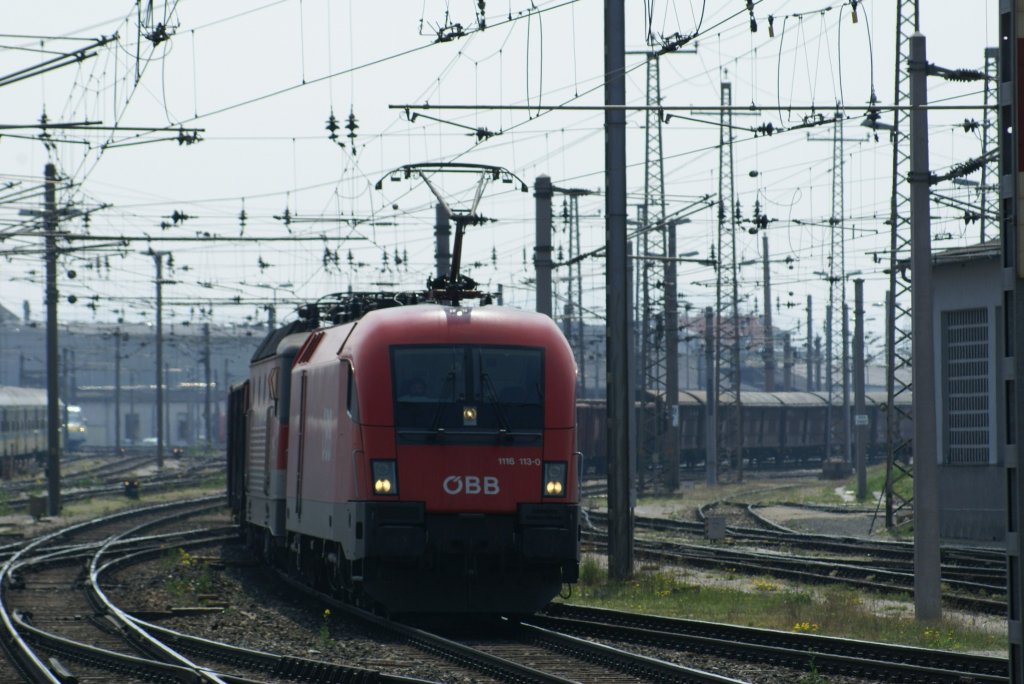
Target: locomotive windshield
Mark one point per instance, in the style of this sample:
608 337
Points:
468 391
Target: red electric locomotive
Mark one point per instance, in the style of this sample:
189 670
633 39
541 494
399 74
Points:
419 458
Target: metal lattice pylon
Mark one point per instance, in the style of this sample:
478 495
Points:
835 317
727 346
573 319
652 263
898 347
989 189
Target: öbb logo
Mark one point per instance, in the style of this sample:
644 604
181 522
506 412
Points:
471 484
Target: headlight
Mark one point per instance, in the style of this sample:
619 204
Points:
385 479
554 478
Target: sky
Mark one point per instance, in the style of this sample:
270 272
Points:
256 83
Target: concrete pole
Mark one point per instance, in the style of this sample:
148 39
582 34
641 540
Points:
168 432
710 418
131 407
847 429
891 415
787 363
633 380
701 374
927 589
117 390
65 391
830 410
158 259
542 249
208 381
687 352
810 346
227 381
860 418
52 381
769 338
442 235
817 363
619 401
670 445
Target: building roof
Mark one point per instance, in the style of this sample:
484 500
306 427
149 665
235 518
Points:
6 316
983 250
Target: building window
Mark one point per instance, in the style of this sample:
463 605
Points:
966 391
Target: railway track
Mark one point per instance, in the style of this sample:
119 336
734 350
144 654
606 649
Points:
799 569
59 625
149 485
571 644
570 658
50 617
98 631
63 626
107 479
74 476
507 651
886 567
580 644
974 564
82 634
872 660
952 554
274 659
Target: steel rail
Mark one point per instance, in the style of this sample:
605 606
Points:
632 663
284 667
829 654
453 651
496 666
792 569
989 559
35 667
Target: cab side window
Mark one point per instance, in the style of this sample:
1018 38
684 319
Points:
352 402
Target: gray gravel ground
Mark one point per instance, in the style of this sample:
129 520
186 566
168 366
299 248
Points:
263 615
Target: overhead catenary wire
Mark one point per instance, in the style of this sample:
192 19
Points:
525 156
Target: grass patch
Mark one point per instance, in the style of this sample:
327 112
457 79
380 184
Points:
187 577
216 481
764 602
106 505
809 492
876 482
774 491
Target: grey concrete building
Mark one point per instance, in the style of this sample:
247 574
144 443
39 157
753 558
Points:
968 347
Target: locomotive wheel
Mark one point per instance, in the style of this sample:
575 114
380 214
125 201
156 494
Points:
334 584
267 550
336 580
